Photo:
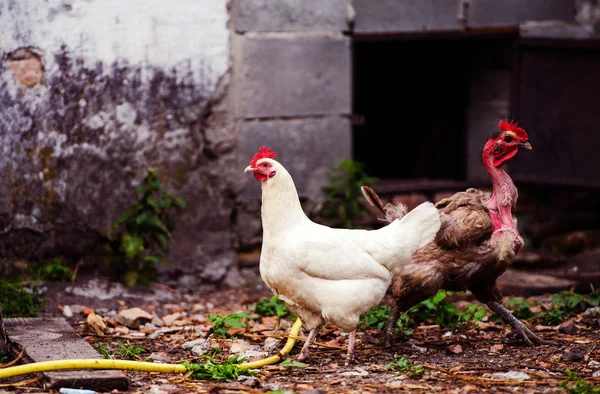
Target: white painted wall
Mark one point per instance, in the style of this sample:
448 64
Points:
179 34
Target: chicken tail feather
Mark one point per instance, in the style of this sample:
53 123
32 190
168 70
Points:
424 222
392 211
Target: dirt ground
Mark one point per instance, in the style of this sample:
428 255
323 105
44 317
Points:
455 361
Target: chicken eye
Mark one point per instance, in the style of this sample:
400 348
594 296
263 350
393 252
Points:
508 138
265 165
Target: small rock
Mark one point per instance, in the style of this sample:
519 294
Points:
160 357
271 344
592 312
285 324
191 344
594 364
149 326
133 317
201 348
210 305
249 381
67 311
512 375
164 331
87 311
240 346
356 372
568 327
157 321
156 389
539 327
197 308
121 330
170 319
419 348
596 374
272 387
315 391
447 334
573 355
456 349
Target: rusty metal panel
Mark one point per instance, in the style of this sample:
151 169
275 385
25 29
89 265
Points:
557 100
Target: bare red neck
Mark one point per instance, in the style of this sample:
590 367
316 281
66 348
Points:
503 195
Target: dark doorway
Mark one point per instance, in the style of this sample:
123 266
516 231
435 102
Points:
413 96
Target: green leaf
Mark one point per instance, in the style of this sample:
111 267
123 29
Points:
163 240
289 363
152 221
132 245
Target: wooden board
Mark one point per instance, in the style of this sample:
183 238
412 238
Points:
46 339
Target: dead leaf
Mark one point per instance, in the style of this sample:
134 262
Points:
456 349
469 388
456 369
496 348
96 324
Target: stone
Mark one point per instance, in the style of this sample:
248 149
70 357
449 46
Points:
279 76
568 327
67 312
159 357
392 16
170 319
133 317
164 331
511 375
271 344
157 321
592 312
289 15
308 148
241 346
594 364
201 348
456 349
195 342
360 372
493 13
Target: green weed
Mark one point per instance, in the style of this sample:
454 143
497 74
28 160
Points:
210 370
405 366
129 352
222 324
140 237
18 301
343 193
575 385
374 318
103 350
289 364
271 307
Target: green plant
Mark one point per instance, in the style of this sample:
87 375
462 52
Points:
17 301
566 304
405 366
521 309
375 317
271 307
575 385
103 350
343 193
140 236
222 324
210 370
129 352
55 270
438 311
288 363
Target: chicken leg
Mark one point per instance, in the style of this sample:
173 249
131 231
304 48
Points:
351 346
305 352
518 326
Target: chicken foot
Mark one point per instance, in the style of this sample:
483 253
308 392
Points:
305 352
517 325
351 347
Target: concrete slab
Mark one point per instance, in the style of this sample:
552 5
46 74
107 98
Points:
47 339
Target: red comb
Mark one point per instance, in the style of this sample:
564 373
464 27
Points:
263 152
505 125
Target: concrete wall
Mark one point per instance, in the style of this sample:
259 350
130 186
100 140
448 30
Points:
94 92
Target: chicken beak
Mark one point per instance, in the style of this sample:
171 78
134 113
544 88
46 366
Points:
249 169
525 145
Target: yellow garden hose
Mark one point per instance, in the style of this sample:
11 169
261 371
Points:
142 366
283 352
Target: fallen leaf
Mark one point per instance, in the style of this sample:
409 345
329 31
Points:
455 369
96 324
456 349
496 348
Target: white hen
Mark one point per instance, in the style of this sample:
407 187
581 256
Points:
325 274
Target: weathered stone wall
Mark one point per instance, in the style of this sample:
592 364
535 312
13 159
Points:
92 93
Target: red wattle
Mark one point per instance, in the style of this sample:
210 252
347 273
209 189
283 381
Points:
499 160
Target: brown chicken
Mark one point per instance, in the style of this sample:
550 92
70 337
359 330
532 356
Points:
477 240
